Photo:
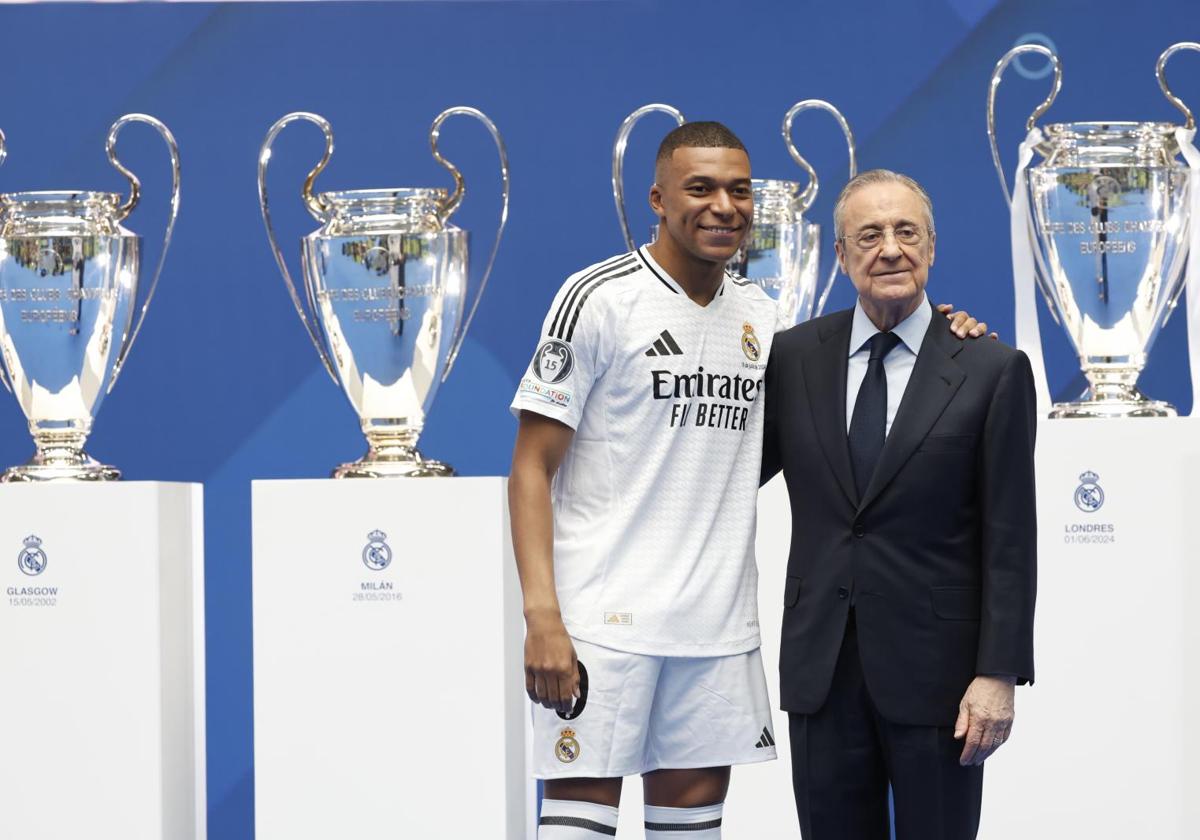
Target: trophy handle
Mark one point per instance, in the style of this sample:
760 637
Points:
1160 71
455 200
126 208
997 72
618 160
312 202
809 195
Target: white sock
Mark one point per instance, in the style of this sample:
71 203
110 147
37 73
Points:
567 819
684 823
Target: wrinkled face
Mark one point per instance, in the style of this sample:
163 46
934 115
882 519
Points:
886 247
704 201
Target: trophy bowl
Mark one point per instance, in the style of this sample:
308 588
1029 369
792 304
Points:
782 249
1107 215
69 278
1109 205
385 279
781 252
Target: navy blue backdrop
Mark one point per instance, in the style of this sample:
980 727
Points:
223 386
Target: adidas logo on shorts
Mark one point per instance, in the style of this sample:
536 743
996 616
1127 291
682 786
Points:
766 740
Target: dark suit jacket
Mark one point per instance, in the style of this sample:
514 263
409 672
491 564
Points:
940 554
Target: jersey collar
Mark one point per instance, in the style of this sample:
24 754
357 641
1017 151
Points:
667 280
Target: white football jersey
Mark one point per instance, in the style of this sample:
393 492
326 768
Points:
655 501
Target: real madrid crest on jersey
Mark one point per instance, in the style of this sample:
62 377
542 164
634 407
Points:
750 345
378 554
566 749
32 560
1089 498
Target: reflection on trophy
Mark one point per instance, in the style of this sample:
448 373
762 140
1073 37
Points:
782 249
1101 222
385 277
68 293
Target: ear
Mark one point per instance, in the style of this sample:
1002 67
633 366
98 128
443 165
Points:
932 247
841 256
656 204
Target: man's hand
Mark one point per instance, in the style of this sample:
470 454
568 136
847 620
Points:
985 718
963 324
551 669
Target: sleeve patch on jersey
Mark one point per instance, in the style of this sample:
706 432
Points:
553 361
552 395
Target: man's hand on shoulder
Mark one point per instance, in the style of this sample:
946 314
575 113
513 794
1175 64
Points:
962 324
985 718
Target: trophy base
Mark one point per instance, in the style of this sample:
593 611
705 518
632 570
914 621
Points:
412 467
84 469
1112 408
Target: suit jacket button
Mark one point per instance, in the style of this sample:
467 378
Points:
859 531
843 593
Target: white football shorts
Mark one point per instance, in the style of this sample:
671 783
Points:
643 713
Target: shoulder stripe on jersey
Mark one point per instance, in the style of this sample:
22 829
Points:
568 299
600 281
646 263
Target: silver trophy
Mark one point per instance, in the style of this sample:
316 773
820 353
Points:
781 252
385 279
68 300
1105 215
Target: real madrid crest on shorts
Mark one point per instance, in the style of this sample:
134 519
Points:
378 554
566 749
750 345
32 560
1089 498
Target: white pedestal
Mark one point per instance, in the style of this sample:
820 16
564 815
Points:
102 656
389 692
1104 744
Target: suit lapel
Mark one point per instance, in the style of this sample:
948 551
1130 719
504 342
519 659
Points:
935 379
825 380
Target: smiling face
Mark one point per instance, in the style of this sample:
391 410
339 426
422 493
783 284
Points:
887 246
704 202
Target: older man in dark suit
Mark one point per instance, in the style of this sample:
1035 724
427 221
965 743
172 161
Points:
908 456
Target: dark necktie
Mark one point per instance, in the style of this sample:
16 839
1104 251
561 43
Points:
868 426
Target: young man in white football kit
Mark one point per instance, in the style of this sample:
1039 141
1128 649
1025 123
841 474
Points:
633 495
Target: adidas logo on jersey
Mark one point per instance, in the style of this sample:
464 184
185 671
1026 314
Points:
664 345
766 740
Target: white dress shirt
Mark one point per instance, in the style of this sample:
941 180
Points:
897 367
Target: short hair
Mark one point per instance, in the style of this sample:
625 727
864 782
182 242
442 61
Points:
877 176
697 135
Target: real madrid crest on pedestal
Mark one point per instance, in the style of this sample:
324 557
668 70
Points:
378 554
32 560
566 749
1089 498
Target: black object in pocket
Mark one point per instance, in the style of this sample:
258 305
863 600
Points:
582 701
791 590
